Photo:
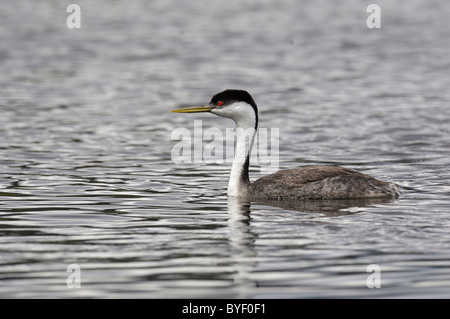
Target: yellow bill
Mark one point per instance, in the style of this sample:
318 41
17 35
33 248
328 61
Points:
193 109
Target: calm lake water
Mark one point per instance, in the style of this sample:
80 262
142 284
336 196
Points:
87 176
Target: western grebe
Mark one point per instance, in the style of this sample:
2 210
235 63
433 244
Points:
309 182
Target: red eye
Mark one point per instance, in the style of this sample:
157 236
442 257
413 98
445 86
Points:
219 103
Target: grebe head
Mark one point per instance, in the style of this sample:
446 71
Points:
237 105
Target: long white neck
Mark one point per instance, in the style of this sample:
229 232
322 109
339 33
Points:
239 180
246 123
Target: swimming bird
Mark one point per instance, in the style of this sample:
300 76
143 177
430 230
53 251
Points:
303 183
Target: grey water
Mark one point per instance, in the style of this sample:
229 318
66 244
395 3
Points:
87 176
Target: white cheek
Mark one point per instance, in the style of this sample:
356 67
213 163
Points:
222 112
233 113
241 113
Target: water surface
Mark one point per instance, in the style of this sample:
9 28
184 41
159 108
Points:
87 176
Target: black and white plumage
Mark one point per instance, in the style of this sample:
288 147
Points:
309 182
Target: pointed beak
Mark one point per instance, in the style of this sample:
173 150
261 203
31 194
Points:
194 109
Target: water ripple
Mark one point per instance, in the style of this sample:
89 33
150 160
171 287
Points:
86 170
